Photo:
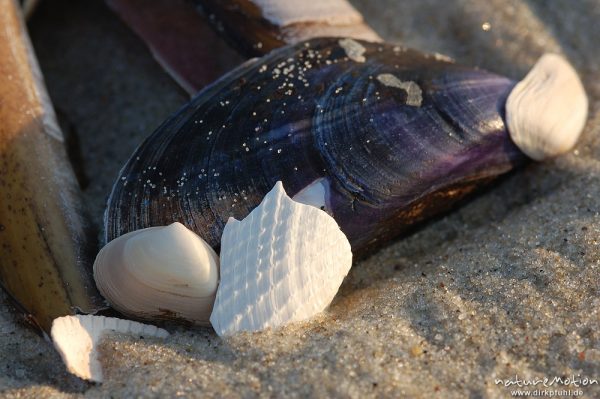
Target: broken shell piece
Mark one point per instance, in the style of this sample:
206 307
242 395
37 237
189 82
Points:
76 337
283 263
547 110
159 273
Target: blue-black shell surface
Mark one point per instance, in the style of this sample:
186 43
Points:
396 135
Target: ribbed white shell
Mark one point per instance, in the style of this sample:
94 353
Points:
159 272
547 110
283 263
75 338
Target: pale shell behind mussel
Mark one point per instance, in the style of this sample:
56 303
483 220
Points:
547 110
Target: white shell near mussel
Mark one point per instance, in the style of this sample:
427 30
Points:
283 263
76 337
547 110
159 273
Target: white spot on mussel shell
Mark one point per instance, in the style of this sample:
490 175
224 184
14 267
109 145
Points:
315 194
414 95
76 338
354 50
547 110
283 263
166 272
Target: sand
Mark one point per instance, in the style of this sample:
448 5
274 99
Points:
508 285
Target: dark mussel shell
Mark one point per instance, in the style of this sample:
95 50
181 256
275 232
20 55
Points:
396 136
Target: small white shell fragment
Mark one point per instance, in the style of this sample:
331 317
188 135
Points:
283 263
314 194
547 110
76 337
159 272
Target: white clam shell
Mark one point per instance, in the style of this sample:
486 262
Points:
546 111
76 337
159 272
283 263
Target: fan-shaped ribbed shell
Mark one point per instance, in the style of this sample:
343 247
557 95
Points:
283 263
